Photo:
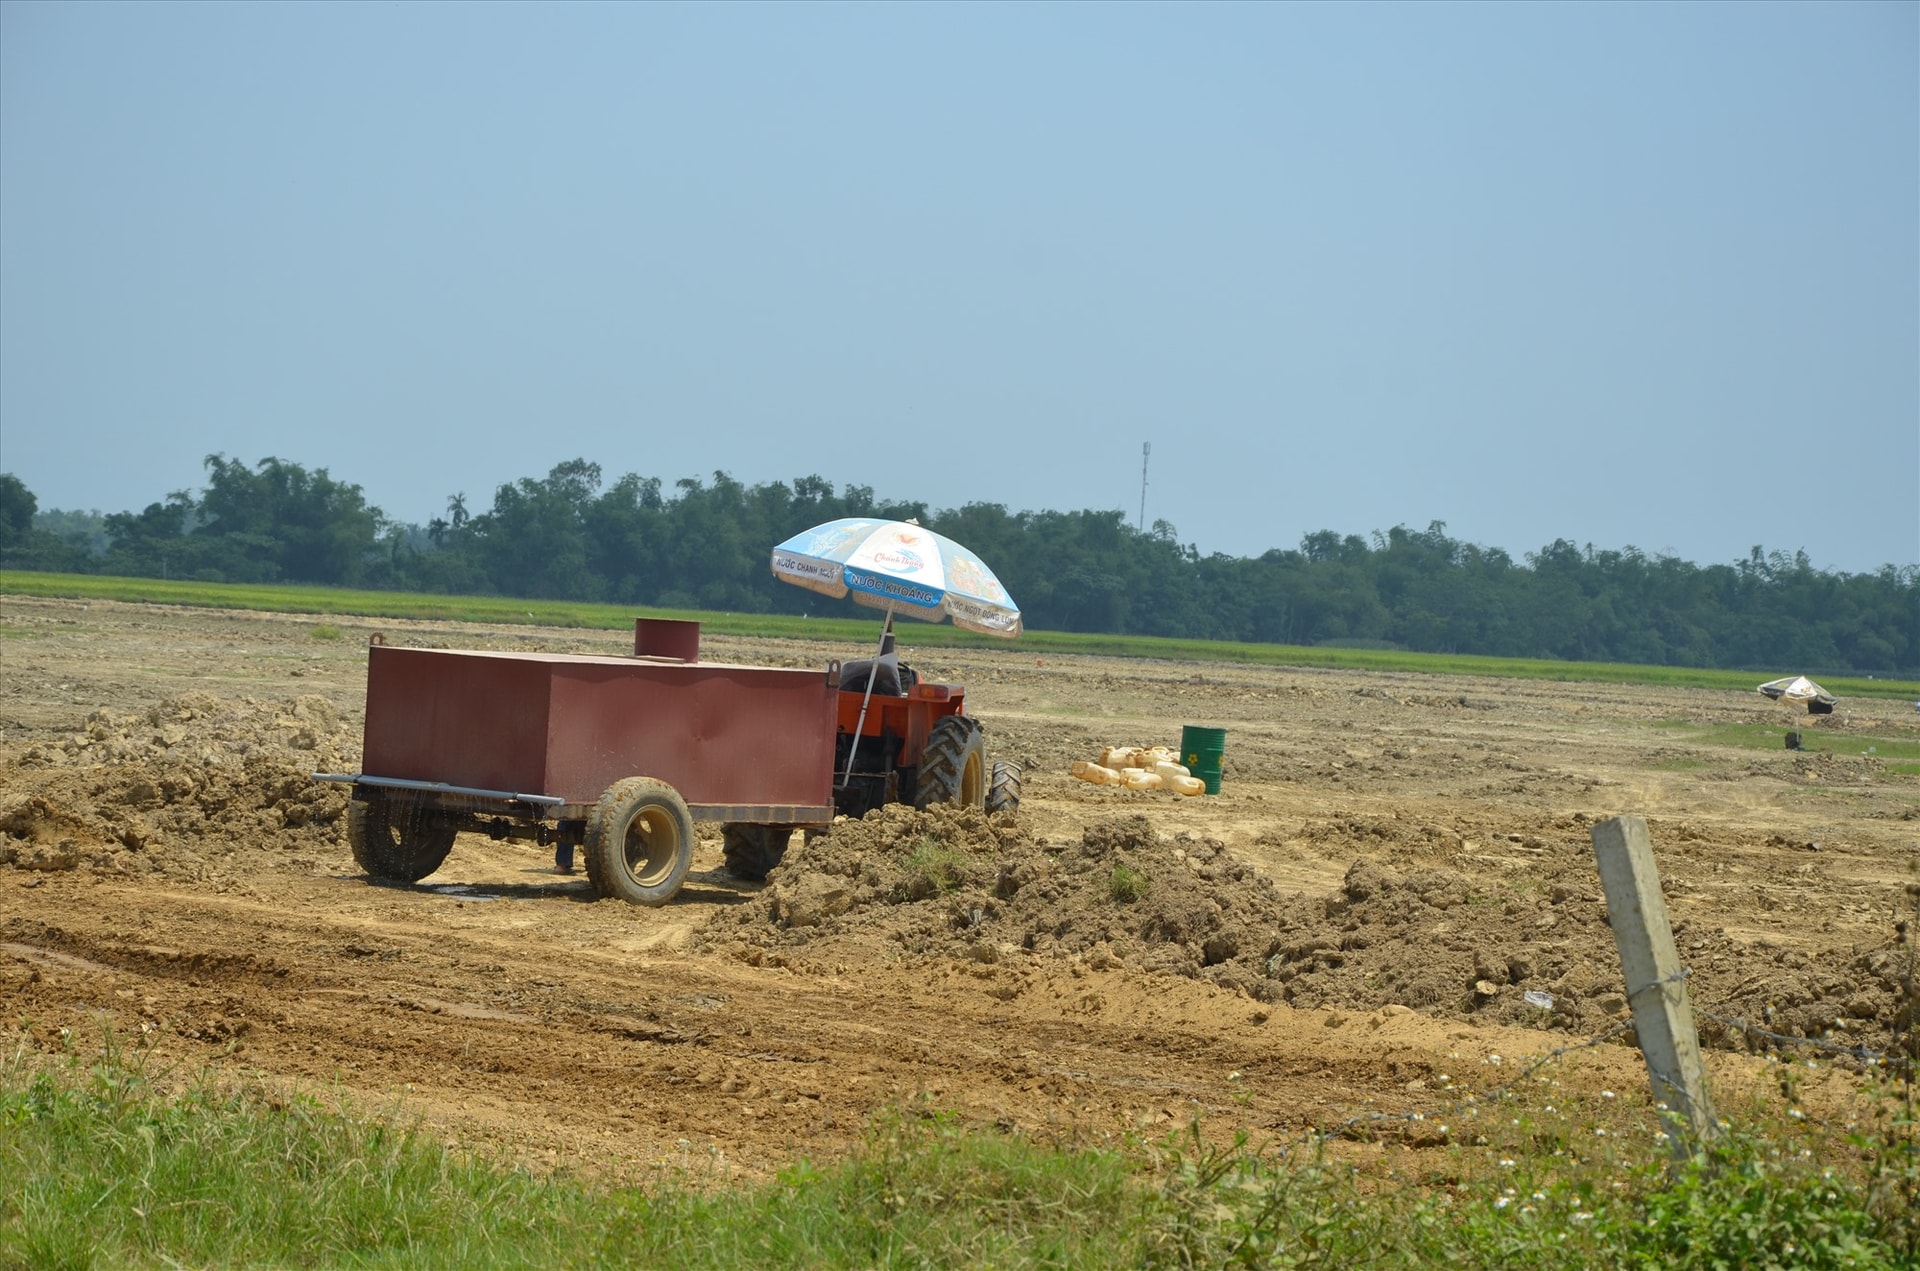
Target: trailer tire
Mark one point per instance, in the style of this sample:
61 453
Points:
1003 791
639 842
753 850
953 768
395 840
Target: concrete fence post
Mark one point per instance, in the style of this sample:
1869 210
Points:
1662 1017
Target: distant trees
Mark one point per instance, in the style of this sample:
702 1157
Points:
27 544
17 507
278 521
152 543
273 522
704 544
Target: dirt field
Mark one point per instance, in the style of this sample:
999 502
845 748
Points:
1353 925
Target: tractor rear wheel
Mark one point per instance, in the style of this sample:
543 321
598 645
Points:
1003 792
639 842
953 768
395 840
753 850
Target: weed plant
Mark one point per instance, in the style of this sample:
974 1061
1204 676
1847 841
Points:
1128 884
932 869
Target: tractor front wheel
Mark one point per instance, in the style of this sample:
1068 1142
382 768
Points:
752 851
953 768
395 840
1003 792
639 842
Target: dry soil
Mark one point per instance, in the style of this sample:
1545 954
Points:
1370 918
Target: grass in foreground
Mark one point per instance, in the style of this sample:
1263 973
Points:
99 1168
275 598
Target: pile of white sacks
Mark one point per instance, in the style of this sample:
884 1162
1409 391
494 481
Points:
1140 768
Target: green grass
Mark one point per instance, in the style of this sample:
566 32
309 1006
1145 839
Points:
1900 754
933 869
99 1167
499 609
1128 885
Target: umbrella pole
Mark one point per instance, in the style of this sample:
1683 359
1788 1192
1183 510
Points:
867 696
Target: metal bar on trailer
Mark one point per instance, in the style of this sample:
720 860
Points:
764 813
441 787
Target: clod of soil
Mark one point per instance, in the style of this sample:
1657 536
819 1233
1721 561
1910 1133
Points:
193 787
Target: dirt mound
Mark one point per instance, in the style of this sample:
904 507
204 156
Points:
1826 766
193 787
959 884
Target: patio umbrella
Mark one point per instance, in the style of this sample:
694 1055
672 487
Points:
1795 689
901 567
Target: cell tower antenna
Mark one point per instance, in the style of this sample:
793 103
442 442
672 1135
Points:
1146 449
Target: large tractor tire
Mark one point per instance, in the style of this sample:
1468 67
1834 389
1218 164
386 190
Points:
953 768
397 841
639 842
752 851
1003 791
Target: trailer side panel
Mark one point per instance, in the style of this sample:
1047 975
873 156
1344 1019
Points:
570 725
718 734
467 719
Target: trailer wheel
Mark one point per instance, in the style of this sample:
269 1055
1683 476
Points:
395 840
753 850
953 768
1003 792
639 842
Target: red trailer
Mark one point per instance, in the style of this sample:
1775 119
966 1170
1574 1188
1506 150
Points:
620 755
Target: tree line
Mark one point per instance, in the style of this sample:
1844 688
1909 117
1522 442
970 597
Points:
705 544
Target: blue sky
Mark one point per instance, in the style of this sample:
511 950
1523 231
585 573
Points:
1621 274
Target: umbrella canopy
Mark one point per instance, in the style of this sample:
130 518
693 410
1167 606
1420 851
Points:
901 567
1797 688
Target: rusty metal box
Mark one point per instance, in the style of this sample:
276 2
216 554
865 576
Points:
741 743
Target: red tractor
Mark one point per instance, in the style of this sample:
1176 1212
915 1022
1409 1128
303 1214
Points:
618 756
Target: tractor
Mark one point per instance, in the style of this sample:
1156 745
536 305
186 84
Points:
618 756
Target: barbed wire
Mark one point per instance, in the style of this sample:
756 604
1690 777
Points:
1678 977
1493 1095
1865 1054
1862 1054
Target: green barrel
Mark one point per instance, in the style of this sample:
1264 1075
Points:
1200 751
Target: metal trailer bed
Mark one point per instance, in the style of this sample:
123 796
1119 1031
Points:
535 746
543 735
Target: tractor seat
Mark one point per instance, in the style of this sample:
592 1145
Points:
890 678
